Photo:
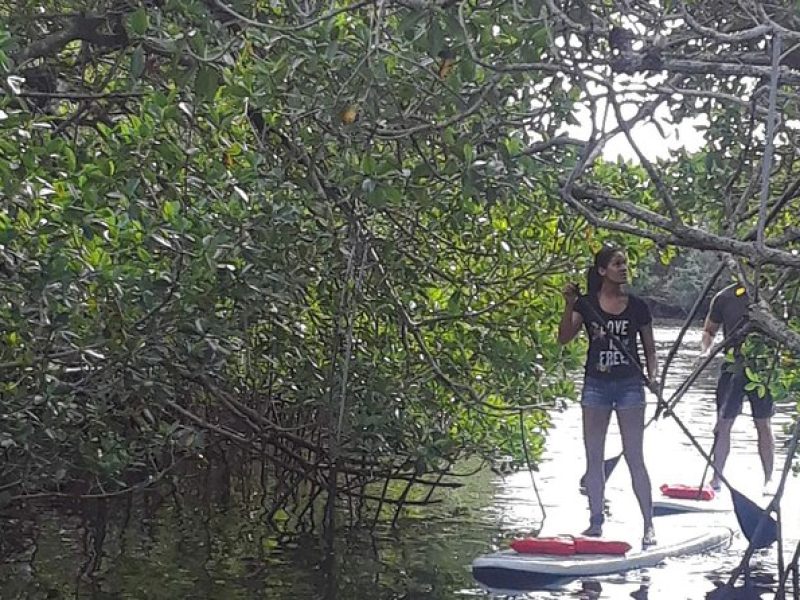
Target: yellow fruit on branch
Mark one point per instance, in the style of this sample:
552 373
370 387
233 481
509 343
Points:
349 114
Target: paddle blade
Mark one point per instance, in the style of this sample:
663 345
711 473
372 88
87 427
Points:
608 468
610 464
749 514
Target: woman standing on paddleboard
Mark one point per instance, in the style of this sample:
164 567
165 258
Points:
614 320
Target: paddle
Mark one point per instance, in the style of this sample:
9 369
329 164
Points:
758 527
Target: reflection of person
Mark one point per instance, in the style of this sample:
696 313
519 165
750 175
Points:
611 382
729 309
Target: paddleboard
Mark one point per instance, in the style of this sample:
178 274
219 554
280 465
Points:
670 506
509 569
663 505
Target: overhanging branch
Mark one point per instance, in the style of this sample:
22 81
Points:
85 28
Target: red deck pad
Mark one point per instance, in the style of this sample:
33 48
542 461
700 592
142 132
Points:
569 545
687 492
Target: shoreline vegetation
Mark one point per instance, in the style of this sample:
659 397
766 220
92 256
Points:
672 314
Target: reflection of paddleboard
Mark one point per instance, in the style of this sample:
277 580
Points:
508 569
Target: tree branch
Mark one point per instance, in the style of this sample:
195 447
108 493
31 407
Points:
83 27
633 62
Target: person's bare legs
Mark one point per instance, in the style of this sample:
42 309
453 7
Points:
631 428
595 427
722 447
766 446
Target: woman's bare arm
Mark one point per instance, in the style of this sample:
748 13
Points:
649 345
571 320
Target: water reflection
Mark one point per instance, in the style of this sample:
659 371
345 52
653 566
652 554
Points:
742 592
209 546
592 590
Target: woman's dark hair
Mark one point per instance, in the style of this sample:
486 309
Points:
593 278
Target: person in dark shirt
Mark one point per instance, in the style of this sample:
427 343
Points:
611 381
729 309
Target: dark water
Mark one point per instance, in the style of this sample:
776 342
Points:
186 550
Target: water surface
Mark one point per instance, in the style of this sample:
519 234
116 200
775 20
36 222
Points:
190 548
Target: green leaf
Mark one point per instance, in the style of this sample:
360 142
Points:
409 23
331 50
368 164
171 209
752 375
137 63
435 39
393 195
466 69
138 21
539 39
69 158
206 82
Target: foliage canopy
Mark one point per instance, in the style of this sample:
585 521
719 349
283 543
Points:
333 234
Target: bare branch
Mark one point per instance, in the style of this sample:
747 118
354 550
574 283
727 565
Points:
83 27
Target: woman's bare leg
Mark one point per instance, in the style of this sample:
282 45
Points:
595 427
631 428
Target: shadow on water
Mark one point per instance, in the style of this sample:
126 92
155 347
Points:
202 542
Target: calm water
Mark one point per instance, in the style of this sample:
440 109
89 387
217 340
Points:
186 550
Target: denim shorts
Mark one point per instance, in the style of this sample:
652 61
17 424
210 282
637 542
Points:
613 393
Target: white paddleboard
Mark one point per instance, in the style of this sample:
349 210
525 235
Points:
668 506
509 568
